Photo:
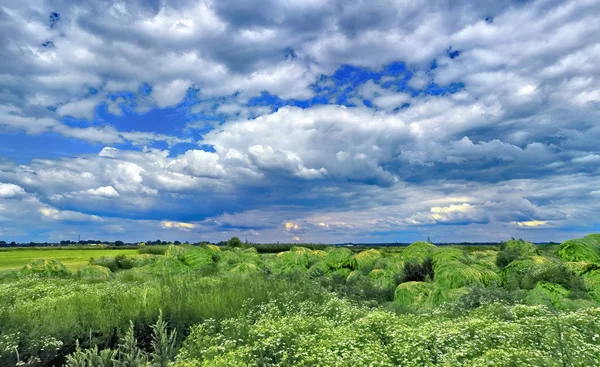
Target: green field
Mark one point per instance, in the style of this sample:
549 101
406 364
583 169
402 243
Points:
516 304
71 258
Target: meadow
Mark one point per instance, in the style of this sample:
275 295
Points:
515 304
72 258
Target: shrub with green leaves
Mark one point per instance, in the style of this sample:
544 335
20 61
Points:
94 273
46 267
366 259
525 248
413 294
342 333
197 257
414 271
443 255
455 274
338 258
418 251
580 249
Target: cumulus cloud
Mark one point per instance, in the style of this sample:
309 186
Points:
347 119
10 190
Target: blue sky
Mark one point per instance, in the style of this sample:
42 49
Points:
307 121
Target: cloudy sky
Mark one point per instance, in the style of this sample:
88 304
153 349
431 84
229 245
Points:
312 120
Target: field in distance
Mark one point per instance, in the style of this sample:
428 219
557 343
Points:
72 258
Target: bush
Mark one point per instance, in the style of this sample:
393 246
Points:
46 267
124 262
453 275
105 261
418 272
418 251
234 242
338 258
478 296
580 249
506 256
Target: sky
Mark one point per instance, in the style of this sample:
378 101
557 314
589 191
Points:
299 121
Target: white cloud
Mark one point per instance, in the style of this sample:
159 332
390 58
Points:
104 191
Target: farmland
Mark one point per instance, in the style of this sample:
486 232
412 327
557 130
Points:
71 258
515 304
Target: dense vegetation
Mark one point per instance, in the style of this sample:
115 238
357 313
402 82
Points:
206 305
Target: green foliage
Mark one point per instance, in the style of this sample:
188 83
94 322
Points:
528 272
454 274
580 249
153 250
94 273
418 251
592 283
525 248
366 259
443 255
341 333
414 271
91 357
506 256
338 258
477 296
232 290
413 294
46 267
130 355
234 242
196 258
163 343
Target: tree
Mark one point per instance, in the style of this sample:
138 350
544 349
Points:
119 243
234 242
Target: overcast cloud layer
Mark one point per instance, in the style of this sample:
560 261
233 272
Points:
311 121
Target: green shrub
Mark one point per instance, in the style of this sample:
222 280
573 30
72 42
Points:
413 294
105 261
46 267
452 275
124 262
580 249
196 258
506 256
366 259
525 248
446 254
418 251
478 296
94 273
338 258
418 272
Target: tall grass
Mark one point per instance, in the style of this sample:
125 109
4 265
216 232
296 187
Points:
96 313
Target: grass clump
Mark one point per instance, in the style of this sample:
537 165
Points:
525 248
413 294
418 251
366 259
46 267
446 254
580 249
94 273
338 258
454 274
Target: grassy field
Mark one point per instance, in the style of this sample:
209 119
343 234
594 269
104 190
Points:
73 259
516 304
